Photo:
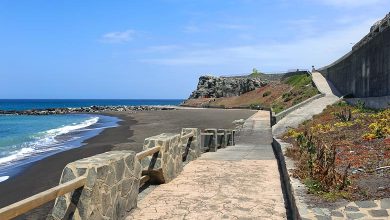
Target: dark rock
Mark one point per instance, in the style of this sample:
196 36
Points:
355 215
119 168
378 213
337 214
352 209
67 175
366 204
92 109
385 203
321 217
216 87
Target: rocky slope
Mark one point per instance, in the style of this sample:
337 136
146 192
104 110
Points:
279 92
216 87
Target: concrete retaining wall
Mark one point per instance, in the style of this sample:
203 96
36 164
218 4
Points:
275 119
372 102
293 211
365 71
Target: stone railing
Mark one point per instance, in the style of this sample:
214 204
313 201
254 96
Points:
106 186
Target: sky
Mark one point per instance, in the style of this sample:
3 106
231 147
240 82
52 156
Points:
158 48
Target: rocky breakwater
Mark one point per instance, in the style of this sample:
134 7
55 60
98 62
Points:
216 87
92 109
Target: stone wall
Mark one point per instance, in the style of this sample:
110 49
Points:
167 163
211 141
113 178
110 192
365 71
192 145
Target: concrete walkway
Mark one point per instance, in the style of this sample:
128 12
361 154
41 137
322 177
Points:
307 111
237 182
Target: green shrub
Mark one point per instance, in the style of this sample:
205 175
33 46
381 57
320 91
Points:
255 106
267 93
313 186
255 73
277 108
298 80
344 116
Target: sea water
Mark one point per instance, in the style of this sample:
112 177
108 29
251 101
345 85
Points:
26 104
25 139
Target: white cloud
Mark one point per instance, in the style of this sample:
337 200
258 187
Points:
351 3
118 37
319 50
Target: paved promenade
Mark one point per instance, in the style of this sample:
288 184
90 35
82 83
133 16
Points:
237 182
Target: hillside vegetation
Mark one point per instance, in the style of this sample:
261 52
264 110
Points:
278 94
343 152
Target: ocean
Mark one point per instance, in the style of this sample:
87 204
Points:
26 104
25 139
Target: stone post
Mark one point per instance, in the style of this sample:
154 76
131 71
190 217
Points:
165 165
229 135
222 139
211 140
192 145
234 137
110 192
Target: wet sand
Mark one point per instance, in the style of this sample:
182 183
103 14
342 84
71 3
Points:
129 135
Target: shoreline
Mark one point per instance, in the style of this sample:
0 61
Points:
128 135
46 173
56 140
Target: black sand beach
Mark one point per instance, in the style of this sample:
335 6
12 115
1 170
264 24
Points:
130 135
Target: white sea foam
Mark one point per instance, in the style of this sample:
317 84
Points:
15 155
99 128
73 127
3 178
46 141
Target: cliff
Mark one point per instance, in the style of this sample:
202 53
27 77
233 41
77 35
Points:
216 87
265 91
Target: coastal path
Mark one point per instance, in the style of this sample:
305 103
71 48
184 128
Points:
307 111
240 181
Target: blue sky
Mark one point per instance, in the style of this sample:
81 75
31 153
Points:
158 49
